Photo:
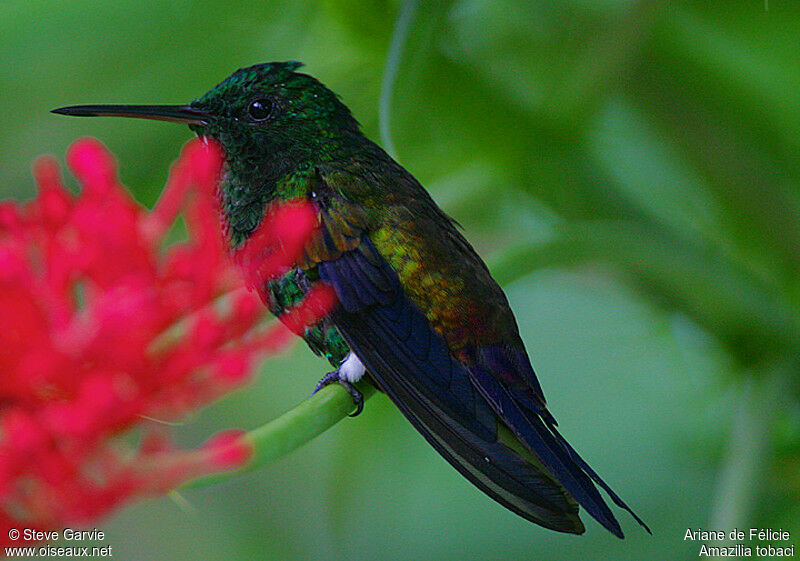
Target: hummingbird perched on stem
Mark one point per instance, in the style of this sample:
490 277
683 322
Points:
418 311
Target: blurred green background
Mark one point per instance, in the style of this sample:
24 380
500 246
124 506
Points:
628 169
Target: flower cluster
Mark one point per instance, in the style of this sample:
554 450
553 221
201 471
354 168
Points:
103 329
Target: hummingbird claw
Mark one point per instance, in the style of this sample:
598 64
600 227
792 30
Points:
328 378
357 396
335 376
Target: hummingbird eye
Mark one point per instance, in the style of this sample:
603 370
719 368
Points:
260 109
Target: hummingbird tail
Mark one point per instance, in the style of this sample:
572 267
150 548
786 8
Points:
596 478
537 432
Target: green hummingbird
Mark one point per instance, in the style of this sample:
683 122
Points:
418 311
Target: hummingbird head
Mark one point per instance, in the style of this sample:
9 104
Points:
268 117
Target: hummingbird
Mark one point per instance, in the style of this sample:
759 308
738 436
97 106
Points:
417 310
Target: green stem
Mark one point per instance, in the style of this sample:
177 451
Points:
291 430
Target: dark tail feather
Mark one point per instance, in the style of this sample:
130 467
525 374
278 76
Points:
552 450
591 473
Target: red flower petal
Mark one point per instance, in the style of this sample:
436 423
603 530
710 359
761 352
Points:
104 331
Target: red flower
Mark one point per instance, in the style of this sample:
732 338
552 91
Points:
102 329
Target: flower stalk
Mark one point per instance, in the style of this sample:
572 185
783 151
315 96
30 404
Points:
290 431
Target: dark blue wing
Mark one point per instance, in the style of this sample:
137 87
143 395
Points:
455 406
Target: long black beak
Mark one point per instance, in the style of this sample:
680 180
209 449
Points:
172 113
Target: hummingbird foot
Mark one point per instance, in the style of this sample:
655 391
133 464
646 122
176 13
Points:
343 377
